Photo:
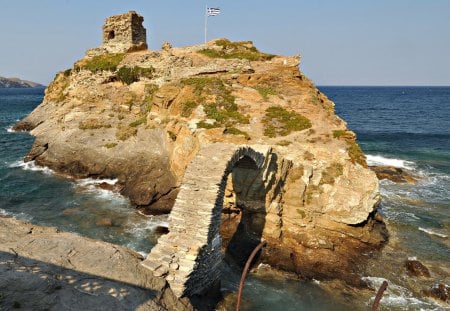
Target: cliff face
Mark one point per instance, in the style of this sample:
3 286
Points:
142 116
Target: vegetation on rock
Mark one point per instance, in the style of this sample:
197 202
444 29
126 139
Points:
187 108
102 62
58 86
331 172
356 154
265 91
235 131
240 50
344 134
129 75
281 122
138 122
110 145
93 124
125 132
224 109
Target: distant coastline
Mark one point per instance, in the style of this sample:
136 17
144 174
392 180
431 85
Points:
17 83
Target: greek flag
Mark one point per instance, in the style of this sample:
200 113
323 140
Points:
212 11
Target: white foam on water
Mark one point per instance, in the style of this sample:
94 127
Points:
31 166
396 296
90 185
9 129
4 213
92 181
374 160
433 232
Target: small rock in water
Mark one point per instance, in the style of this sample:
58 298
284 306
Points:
104 222
439 291
416 268
71 211
394 174
161 230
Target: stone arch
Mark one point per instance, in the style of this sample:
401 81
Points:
189 256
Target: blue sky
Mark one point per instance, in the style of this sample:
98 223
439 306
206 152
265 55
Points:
342 42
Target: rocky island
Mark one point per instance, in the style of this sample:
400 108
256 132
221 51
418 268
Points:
17 83
239 143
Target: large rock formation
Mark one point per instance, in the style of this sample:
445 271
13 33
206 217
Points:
142 116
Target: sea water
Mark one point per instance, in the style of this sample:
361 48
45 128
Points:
399 126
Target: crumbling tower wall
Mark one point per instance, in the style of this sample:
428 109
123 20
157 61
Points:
124 33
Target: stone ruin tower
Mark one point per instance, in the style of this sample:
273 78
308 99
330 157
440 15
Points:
124 33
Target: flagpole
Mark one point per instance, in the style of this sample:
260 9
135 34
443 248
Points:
206 20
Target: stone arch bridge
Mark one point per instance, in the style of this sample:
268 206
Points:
189 256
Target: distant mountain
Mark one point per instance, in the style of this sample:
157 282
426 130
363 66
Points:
16 82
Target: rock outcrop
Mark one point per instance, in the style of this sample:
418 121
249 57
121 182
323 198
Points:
142 117
45 269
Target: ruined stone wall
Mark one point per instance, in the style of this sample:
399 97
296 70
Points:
124 33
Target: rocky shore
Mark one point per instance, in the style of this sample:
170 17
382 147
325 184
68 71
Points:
44 269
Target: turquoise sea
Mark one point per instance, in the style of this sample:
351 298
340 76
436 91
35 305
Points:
407 127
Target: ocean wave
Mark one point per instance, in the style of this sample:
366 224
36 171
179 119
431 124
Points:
141 231
9 129
31 166
4 213
94 182
92 186
374 160
433 232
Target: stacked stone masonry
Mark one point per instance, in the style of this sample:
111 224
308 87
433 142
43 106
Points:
124 33
189 256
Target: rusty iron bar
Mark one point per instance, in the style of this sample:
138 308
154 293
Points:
245 271
380 292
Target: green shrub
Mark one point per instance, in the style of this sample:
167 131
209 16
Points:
265 91
239 50
344 134
203 125
129 75
103 62
235 131
280 122
207 85
225 117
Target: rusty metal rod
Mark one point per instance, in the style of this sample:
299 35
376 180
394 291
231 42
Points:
244 272
380 292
